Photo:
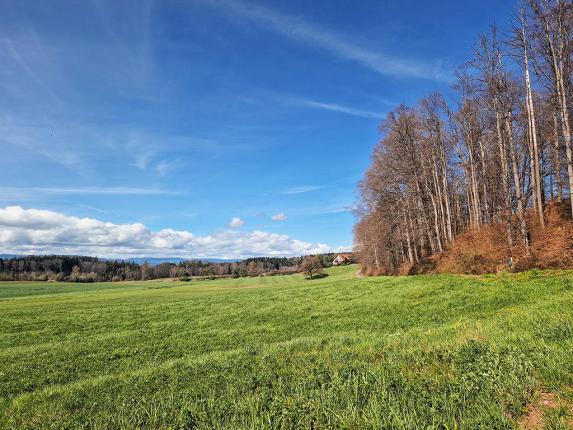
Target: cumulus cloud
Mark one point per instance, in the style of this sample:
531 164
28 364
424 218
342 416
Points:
24 231
345 248
236 222
279 217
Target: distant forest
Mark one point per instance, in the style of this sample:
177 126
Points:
92 269
495 153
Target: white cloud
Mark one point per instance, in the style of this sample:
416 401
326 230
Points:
25 231
317 37
279 217
236 222
345 248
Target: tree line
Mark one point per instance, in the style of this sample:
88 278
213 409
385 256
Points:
496 153
92 269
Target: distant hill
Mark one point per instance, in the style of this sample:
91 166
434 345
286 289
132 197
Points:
81 268
154 261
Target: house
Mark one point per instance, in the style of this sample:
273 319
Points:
342 259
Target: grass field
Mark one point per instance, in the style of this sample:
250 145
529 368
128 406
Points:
284 352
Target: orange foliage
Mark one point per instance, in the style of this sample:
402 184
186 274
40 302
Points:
485 250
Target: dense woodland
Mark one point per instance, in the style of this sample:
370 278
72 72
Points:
497 153
91 269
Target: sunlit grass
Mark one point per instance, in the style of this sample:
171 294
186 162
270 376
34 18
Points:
284 352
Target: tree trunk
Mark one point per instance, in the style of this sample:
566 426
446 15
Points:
535 165
560 89
517 184
505 183
558 178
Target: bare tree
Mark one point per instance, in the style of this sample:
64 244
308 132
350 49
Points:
520 41
553 25
438 171
311 266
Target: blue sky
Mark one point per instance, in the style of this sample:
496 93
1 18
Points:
178 116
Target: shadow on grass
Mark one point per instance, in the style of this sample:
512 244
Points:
161 287
318 276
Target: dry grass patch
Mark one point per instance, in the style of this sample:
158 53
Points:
548 410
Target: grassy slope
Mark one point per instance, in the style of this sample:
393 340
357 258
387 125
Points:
283 352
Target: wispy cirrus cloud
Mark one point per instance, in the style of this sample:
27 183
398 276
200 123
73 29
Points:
87 190
23 64
93 208
164 152
141 160
327 40
348 209
40 140
168 166
334 107
302 189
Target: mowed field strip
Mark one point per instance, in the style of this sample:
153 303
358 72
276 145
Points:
286 352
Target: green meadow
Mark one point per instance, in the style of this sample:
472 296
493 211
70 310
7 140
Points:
339 352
